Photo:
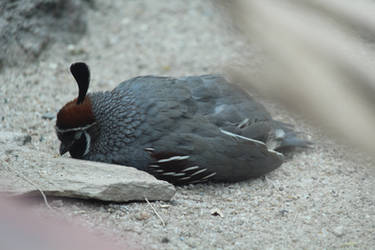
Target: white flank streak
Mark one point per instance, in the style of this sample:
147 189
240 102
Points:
159 170
248 139
243 123
275 152
154 166
185 178
150 149
198 172
179 174
170 173
88 141
191 168
241 137
208 176
175 158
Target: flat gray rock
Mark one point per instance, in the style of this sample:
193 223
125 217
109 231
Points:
65 177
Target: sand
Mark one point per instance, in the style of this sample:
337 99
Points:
320 198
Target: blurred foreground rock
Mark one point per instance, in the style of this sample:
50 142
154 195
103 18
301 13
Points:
22 228
65 177
321 66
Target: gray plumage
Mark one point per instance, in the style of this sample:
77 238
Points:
201 124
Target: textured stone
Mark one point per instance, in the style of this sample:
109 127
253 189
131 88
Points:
65 177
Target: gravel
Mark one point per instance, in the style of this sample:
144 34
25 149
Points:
320 198
28 27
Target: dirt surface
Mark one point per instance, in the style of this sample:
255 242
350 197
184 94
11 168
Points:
28 27
320 198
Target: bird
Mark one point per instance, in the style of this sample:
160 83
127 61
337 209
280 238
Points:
185 130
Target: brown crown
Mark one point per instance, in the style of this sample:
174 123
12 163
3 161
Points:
75 116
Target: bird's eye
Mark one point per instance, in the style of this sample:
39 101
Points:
77 135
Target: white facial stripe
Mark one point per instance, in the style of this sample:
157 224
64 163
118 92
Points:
74 129
88 141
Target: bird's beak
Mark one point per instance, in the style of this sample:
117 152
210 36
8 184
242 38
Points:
63 149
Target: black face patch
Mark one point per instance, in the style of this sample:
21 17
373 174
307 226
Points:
66 137
78 148
73 141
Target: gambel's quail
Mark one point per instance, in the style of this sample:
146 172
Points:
183 130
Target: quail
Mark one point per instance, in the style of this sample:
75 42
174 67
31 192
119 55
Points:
183 130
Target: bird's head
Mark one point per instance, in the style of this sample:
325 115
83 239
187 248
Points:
76 117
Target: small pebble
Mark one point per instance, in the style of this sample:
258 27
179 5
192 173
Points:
74 50
217 212
283 212
338 231
48 116
52 66
173 202
165 240
142 215
26 140
57 203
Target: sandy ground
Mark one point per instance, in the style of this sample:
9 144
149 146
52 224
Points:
321 198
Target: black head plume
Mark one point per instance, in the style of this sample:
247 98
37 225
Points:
81 74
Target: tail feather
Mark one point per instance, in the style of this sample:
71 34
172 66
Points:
288 139
294 142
